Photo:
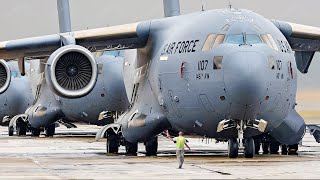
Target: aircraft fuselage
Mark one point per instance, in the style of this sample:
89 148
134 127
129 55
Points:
219 65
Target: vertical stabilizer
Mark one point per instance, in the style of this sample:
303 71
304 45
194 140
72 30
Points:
171 8
64 15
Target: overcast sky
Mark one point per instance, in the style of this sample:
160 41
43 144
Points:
26 18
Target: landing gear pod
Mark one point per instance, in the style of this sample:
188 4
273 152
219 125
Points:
71 71
5 76
291 130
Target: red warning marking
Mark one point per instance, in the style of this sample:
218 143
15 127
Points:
291 71
181 70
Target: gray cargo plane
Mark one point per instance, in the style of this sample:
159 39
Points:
89 107
108 94
11 85
229 74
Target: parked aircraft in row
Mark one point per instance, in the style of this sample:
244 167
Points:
229 74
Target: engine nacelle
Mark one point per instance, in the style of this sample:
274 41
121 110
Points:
5 76
71 71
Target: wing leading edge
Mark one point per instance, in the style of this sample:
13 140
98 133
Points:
128 36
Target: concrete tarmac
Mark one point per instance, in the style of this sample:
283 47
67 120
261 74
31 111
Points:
78 156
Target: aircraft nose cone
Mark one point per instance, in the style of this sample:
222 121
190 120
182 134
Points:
245 77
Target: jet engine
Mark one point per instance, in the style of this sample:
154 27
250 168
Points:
5 76
71 71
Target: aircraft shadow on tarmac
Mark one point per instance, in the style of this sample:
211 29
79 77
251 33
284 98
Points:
202 154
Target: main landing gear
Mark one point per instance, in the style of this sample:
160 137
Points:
131 148
152 146
21 128
113 143
35 132
115 139
272 146
50 130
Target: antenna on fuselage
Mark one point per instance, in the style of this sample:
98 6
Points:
202 5
229 5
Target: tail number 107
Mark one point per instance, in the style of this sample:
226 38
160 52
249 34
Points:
202 65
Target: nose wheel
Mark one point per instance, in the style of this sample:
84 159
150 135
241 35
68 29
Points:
247 144
233 148
249 147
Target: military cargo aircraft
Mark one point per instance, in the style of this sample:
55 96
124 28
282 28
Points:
11 83
229 74
100 107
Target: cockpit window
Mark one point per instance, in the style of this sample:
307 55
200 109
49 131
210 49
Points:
209 42
273 42
253 39
219 40
267 38
213 40
243 39
234 39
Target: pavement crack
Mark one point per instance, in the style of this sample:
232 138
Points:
210 170
44 168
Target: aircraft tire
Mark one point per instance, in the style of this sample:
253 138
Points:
152 146
284 149
35 132
265 147
10 130
249 148
293 149
233 148
274 148
21 128
131 149
51 130
112 144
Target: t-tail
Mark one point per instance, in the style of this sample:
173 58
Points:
171 8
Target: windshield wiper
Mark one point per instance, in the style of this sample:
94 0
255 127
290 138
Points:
244 36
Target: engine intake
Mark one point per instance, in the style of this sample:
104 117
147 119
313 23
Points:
5 76
71 71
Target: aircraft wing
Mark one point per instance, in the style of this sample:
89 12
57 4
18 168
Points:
304 40
128 36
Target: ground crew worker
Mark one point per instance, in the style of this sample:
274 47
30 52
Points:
180 142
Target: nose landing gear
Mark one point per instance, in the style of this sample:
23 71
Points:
233 148
243 143
248 147
247 144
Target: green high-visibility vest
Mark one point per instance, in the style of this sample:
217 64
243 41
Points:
180 142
